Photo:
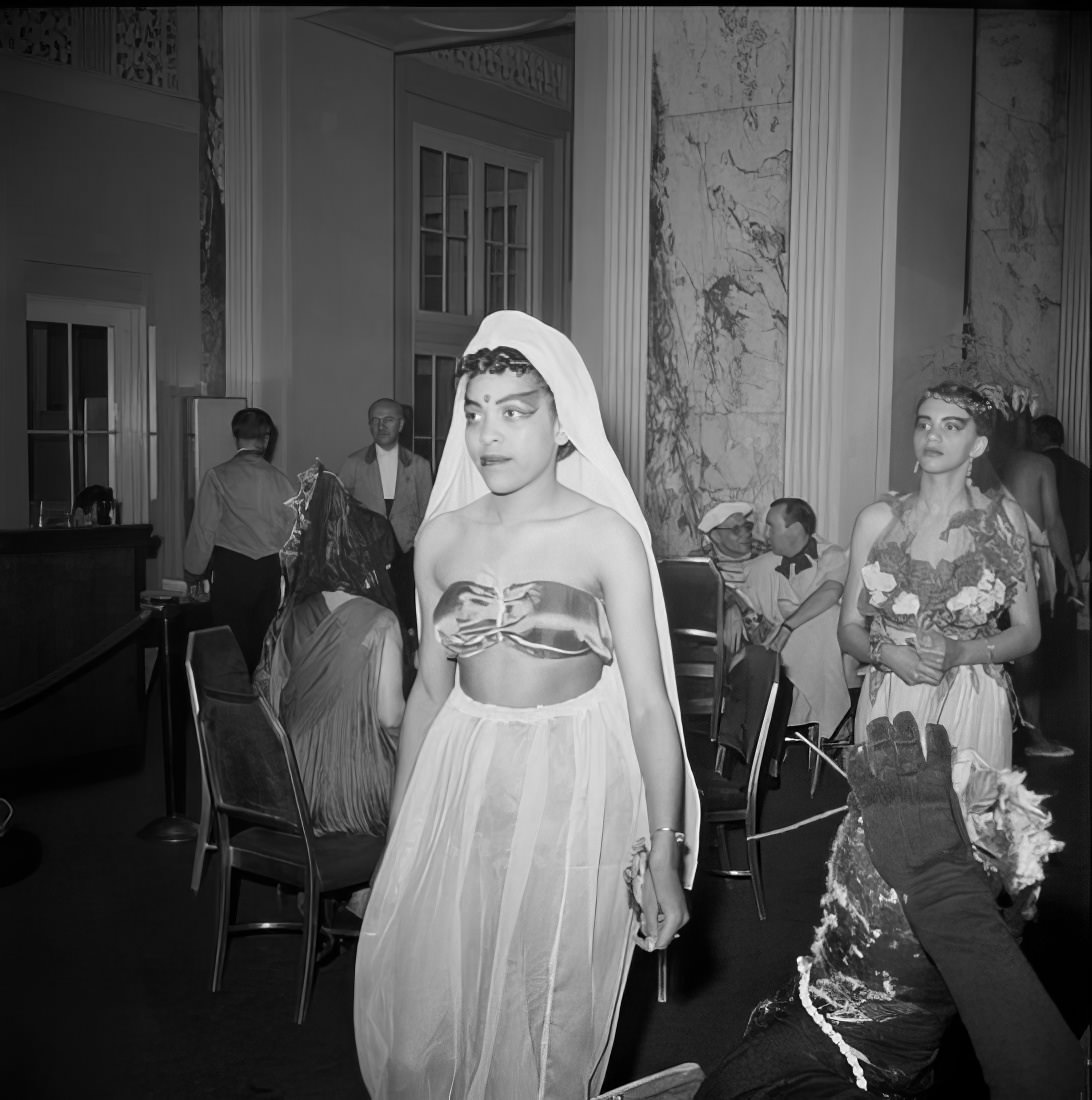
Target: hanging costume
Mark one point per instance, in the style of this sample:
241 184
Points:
495 947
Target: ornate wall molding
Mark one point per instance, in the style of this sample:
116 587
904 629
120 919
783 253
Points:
513 66
139 45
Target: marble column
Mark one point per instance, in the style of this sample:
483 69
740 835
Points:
242 199
842 260
611 150
1073 360
722 122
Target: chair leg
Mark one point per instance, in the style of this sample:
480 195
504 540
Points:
202 845
311 904
223 922
817 765
754 862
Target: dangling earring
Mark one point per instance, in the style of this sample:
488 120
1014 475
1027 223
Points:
917 467
970 464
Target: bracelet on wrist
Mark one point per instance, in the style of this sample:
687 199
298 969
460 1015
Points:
875 644
990 658
680 836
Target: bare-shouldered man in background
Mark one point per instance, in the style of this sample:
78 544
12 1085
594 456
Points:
1031 479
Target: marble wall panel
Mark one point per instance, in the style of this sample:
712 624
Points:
717 318
711 58
1018 179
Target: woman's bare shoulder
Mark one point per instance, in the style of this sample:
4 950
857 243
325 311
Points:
874 517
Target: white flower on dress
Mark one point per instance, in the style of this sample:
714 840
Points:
981 599
906 603
877 582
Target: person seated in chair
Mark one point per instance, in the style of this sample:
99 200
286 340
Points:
728 539
797 587
331 666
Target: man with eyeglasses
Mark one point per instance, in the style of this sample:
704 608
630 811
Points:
391 480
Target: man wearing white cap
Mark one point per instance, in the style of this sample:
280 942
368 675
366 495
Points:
728 528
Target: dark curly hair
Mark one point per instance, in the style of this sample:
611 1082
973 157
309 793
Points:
979 407
500 359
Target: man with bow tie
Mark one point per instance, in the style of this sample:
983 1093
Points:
797 585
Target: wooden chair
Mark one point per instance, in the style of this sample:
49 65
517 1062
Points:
263 824
219 664
725 805
694 598
680 1082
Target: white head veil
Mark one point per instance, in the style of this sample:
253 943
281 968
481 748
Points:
593 469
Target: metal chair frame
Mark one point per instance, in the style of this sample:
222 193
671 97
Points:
274 844
747 815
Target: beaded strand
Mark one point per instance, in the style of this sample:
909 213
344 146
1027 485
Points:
803 965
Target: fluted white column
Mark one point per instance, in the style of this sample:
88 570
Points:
1073 361
817 232
242 199
611 171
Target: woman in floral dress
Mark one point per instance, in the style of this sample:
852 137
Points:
930 574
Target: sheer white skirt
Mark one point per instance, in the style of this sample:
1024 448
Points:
496 943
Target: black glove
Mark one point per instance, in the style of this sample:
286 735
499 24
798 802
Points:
915 835
911 813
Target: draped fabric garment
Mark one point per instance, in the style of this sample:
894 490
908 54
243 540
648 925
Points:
962 595
497 940
323 684
498 936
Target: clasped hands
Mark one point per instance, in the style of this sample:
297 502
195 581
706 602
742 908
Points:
918 663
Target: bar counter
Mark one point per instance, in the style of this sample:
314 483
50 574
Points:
68 595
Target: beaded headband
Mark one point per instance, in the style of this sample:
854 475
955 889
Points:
978 405
493 360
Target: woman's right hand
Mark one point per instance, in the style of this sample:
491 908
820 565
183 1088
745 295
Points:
907 664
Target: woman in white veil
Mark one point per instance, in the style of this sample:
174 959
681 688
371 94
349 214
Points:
540 749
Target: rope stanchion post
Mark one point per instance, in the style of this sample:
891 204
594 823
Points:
173 827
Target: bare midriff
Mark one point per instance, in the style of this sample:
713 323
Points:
504 676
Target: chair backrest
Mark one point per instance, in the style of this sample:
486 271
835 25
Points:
694 600
693 594
214 657
252 772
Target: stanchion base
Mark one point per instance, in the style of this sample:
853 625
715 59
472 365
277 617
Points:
170 830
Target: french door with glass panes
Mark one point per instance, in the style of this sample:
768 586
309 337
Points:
87 406
476 248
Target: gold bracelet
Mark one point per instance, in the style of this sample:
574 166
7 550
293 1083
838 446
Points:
989 653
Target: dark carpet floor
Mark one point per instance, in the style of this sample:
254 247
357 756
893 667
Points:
105 954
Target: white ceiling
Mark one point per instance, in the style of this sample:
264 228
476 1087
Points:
405 29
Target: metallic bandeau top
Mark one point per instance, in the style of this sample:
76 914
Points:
540 618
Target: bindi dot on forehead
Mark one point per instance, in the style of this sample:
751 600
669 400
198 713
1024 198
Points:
487 398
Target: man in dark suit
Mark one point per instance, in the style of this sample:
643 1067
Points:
391 480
